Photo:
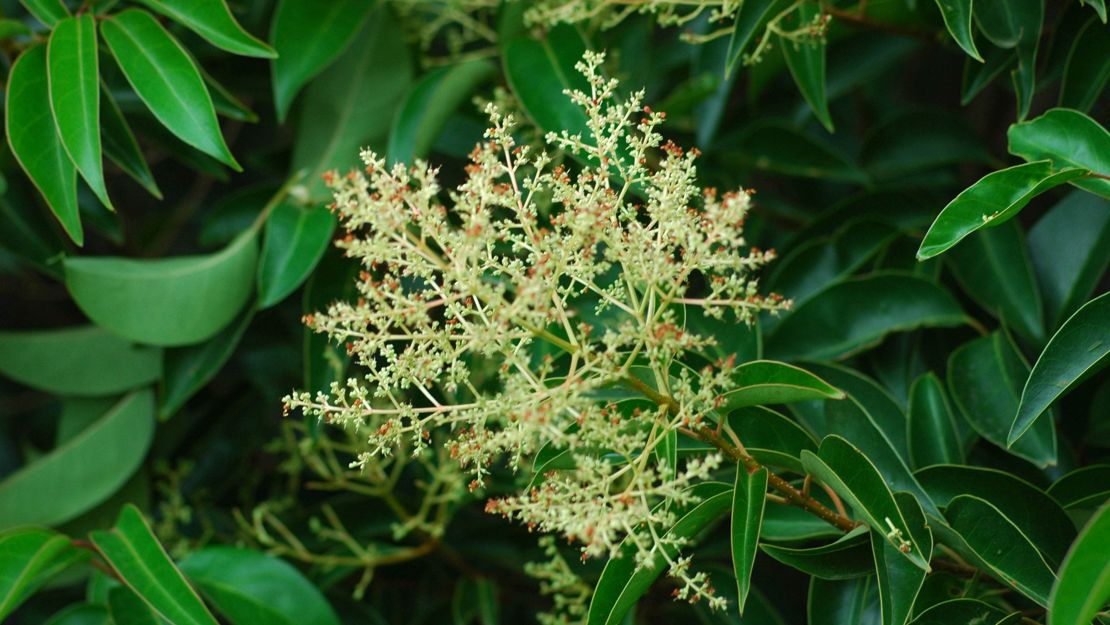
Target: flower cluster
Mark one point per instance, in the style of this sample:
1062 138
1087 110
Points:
544 313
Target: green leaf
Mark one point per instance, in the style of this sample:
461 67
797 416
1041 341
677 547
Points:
34 139
961 611
992 200
29 557
73 77
789 524
842 602
1078 349
1007 23
308 37
166 79
768 382
253 588
1007 552
994 269
49 12
1084 584
985 377
120 145
81 614
748 499
295 240
957 19
806 62
843 467
77 361
877 304
428 105
622 583
1068 272
847 557
977 76
1028 507
1086 487
143 565
169 301
899 580
775 145
540 70
351 105
1069 139
883 411
933 435
750 18
87 468
1087 68
771 438
127 608
212 20
919 140
188 369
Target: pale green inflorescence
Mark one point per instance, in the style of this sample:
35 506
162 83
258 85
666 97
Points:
526 310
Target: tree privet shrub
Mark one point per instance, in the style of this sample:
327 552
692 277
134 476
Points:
559 312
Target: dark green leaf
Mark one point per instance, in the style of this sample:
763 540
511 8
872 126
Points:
120 145
81 614
1087 487
308 37
933 436
748 499
992 200
899 580
843 602
212 20
1068 139
845 558
790 524
751 17
540 70
919 140
74 78
771 437
166 79
188 369
957 18
87 468
1070 249
295 240
77 361
806 61
774 145
1084 584
985 377
426 108
127 608
49 12
961 611
143 565
168 301
877 304
34 139
1001 546
29 557
1078 349
252 588
977 76
768 382
1088 67
1007 22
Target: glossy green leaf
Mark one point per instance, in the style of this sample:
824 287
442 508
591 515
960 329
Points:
878 305
900 580
843 467
212 20
1086 487
792 525
993 267
843 602
49 12
748 500
1100 7
806 61
1083 588
252 588
847 557
768 382
188 369
81 614
74 83
622 583
29 557
166 79
962 611
985 377
120 145
350 106
957 19
1002 547
1078 349
169 301
135 554
539 70
295 240
776 146
1068 139
933 436
77 361
1070 249
751 18
308 37
85 470
770 437
127 608
34 140
1005 24
1028 507
992 200
883 411
1088 67
428 105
